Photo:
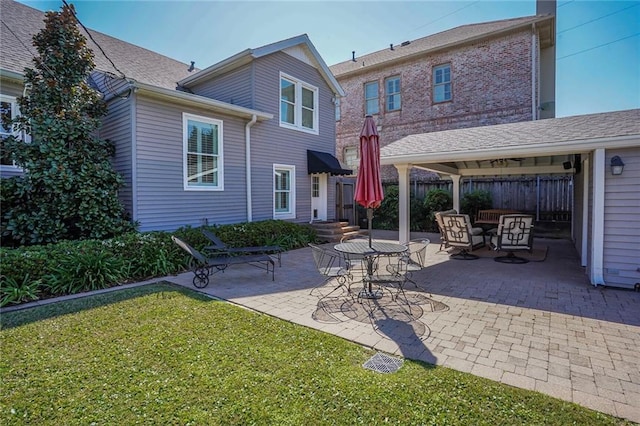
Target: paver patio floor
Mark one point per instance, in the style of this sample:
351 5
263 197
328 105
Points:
538 326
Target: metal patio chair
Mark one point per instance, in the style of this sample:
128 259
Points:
331 266
218 245
459 235
515 233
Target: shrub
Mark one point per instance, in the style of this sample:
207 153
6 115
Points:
13 292
436 200
69 267
476 200
387 215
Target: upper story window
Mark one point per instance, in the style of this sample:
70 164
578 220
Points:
298 104
337 102
392 86
8 111
284 194
442 83
202 156
371 98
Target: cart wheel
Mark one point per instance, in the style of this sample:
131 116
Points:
201 279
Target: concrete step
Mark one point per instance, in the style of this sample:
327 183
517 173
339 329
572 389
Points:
334 231
329 225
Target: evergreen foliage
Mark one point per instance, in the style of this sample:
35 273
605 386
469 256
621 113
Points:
436 200
476 200
69 188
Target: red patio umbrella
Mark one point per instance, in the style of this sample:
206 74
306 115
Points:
368 184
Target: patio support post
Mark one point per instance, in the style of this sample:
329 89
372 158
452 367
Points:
597 215
586 170
403 202
456 192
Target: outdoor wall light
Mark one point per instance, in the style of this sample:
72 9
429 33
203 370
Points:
617 166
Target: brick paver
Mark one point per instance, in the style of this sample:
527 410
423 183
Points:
538 326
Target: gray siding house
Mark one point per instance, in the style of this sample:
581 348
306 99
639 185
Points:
227 144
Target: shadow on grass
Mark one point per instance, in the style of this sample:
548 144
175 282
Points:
163 289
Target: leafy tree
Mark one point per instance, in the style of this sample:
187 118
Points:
69 189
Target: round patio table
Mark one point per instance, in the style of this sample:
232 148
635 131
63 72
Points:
370 253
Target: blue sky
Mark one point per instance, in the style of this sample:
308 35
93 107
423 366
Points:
598 42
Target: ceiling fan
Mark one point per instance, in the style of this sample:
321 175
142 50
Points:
503 162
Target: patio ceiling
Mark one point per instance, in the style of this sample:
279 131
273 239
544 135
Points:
530 147
498 166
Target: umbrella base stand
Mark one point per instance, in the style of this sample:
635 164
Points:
370 294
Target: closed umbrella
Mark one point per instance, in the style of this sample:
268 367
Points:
368 184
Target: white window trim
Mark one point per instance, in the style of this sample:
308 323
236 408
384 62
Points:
387 93
297 115
292 192
14 113
185 145
450 83
377 97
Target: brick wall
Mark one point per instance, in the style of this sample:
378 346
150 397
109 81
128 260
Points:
491 84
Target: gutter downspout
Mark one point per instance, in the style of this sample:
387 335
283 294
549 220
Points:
247 143
133 104
534 68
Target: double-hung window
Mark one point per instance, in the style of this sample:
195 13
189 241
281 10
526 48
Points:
202 156
298 104
371 97
392 86
284 194
442 83
8 111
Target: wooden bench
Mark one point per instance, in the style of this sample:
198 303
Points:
203 266
492 216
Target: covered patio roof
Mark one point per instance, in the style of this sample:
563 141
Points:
540 146
533 147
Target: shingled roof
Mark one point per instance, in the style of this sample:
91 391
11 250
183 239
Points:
530 137
439 41
21 22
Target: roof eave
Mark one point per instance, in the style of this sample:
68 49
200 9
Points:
196 100
442 47
222 67
11 75
552 148
248 55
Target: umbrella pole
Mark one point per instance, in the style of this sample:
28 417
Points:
370 219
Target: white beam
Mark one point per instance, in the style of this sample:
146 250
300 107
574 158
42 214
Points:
500 171
456 192
597 218
403 202
438 168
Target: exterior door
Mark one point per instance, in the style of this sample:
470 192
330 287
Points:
319 197
345 206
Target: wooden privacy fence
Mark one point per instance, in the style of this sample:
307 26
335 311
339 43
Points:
550 198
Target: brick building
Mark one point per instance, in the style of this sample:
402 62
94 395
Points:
473 75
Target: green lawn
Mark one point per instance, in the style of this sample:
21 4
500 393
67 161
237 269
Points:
165 355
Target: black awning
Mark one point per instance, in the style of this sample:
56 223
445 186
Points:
323 162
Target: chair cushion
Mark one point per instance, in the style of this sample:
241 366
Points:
477 231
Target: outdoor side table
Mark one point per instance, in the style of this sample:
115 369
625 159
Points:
370 253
